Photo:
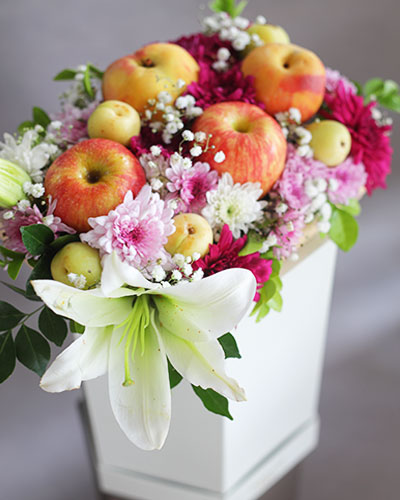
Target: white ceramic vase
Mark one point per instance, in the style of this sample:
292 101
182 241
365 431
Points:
208 457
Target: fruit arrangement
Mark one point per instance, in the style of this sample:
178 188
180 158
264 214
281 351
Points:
156 207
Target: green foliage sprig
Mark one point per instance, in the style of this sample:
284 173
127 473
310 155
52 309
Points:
228 6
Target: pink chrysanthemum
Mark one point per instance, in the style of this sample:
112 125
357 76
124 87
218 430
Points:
136 230
225 255
370 141
333 77
189 186
74 123
31 215
288 233
350 177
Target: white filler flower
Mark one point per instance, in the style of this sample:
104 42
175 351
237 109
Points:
234 204
132 325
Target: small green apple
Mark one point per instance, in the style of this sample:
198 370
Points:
331 141
268 33
114 120
77 264
193 234
12 178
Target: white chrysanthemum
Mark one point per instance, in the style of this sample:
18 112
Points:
31 158
234 204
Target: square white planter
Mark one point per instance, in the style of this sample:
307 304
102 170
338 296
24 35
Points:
210 457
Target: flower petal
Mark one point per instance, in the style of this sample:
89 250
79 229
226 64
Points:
84 359
143 409
117 273
176 319
201 364
87 307
217 303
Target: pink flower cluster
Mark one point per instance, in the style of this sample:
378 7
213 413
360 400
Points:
136 230
189 186
74 123
370 141
11 228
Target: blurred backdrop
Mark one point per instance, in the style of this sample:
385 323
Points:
42 450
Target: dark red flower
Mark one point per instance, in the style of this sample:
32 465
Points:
225 255
370 141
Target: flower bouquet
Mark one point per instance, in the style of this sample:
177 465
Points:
156 207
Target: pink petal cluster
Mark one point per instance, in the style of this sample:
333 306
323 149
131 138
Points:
11 228
214 86
288 233
370 141
74 123
136 230
351 178
189 186
225 255
333 77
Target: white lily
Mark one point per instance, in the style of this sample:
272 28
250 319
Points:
132 326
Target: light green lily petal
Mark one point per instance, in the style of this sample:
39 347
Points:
215 304
87 307
201 364
117 273
143 409
84 359
176 319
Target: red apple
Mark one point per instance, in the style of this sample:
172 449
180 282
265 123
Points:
286 76
92 178
143 75
253 142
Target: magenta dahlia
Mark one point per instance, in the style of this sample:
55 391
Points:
225 255
370 141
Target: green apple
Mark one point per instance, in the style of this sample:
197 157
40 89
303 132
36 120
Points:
193 234
77 264
114 120
12 178
268 33
331 141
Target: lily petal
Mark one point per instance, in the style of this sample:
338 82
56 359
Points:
217 303
87 307
176 319
84 359
143 409
201 364
117 273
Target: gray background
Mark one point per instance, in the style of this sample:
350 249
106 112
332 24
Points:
42 451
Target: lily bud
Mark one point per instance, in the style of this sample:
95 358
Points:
12 178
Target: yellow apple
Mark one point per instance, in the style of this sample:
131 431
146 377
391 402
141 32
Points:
143 75
114 120
74 261
193 234
268 33
331 141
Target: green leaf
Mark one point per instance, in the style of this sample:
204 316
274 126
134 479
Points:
37 238
33 350
253 244
358 87
276 267
213 401
96 72
24 126
276 302
20 291
352 208
268 290
53 326
9 316
40 272
40 117
344 229
60 242
75 327
66 74
229 346
228 6
14 261
390 88
87 83
174 376
372 87
391 102
7 355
